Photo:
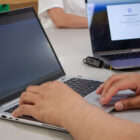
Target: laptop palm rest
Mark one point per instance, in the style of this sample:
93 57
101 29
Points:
93 99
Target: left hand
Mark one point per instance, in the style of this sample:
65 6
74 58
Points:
51 103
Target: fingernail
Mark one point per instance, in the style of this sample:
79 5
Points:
102 99
119 106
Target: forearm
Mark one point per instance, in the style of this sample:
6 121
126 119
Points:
87 122
72 21
64 20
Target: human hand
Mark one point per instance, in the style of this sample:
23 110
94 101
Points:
50 102
119 82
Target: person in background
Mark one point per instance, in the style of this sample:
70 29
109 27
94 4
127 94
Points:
55 103
63 13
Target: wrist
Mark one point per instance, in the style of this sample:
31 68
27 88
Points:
74 114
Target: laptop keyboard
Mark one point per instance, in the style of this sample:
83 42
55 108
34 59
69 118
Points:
122 56
81 86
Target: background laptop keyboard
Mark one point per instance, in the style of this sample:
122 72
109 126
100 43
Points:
81 86
122 56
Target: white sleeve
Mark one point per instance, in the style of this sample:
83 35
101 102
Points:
48 4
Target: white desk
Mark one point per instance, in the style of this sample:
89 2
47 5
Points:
71 47
74 45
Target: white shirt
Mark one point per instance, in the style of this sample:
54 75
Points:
75 7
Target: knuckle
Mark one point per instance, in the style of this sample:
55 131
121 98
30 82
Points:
29 88
113 76
58 83
44 85
23 94
54 83
110 79
47 84
51 84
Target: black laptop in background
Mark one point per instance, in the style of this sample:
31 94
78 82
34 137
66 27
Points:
115 31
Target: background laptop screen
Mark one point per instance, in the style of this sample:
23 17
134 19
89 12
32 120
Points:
114 24
25 54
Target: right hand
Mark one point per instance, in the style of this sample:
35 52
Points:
119 82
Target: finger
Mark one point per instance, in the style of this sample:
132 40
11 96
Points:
46 84
33 89
110 81
117 86
99 89
28 98
27 110
128 103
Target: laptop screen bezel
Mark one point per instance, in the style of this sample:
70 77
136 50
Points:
55 76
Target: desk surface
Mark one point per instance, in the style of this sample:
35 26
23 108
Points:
71 46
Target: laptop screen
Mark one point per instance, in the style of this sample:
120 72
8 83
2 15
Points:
114 24
26 57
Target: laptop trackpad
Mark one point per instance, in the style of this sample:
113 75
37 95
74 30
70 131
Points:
93 99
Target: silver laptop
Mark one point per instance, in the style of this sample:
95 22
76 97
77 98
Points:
115 31
27 58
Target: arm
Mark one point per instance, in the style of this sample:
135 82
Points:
57 104
90 123
64 20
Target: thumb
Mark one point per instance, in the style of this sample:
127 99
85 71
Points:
128 103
